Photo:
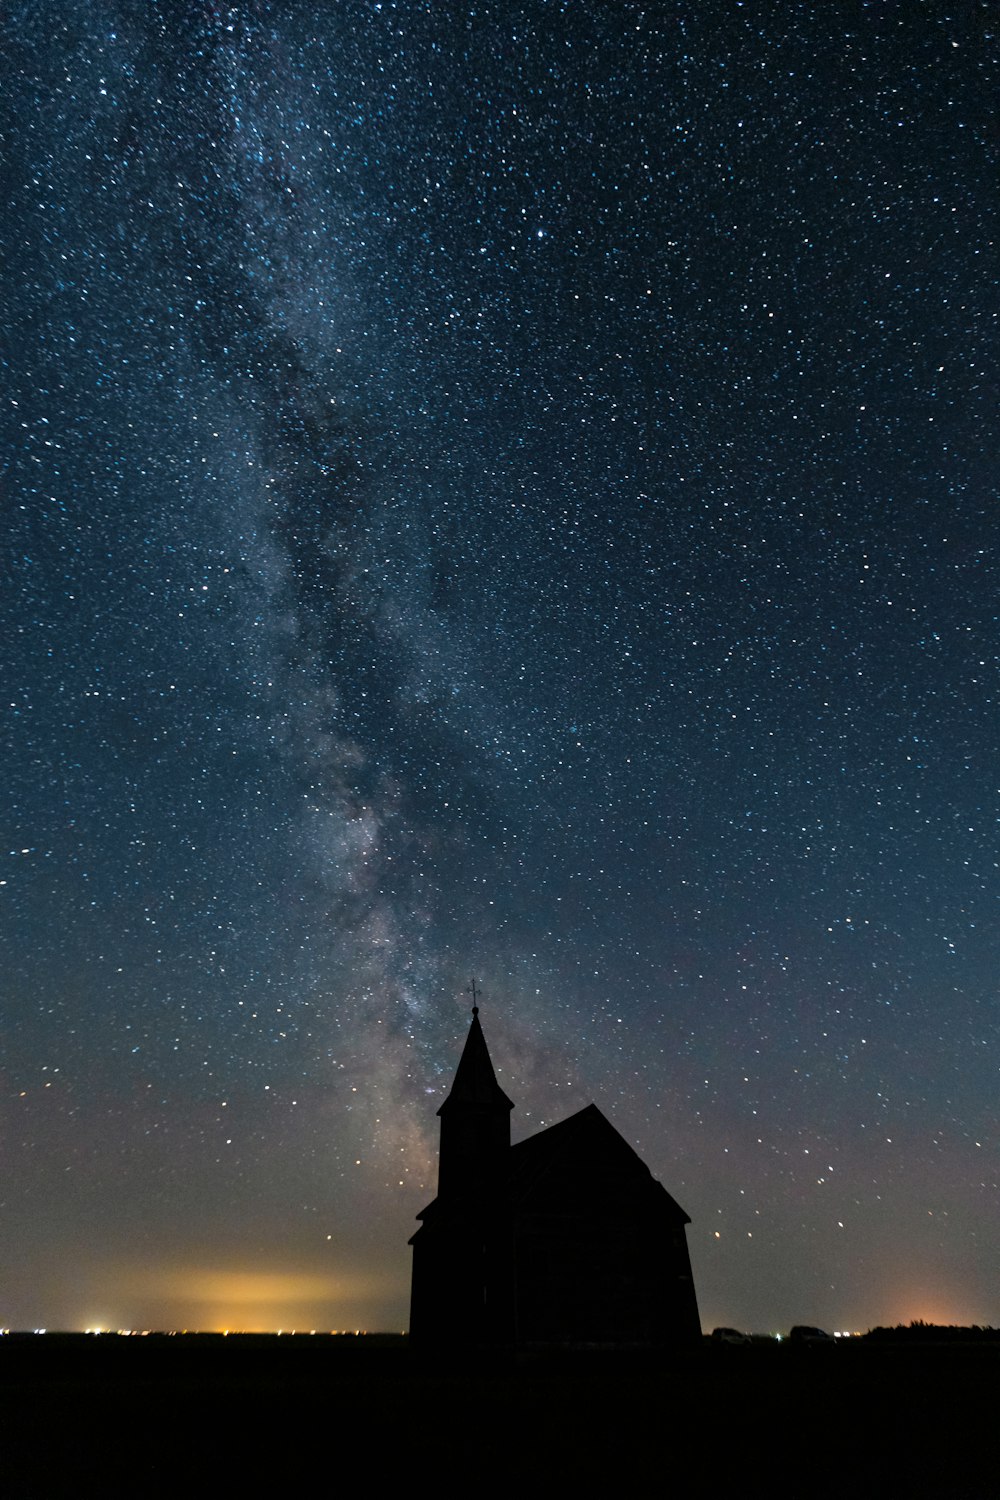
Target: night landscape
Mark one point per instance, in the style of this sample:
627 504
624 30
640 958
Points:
500 490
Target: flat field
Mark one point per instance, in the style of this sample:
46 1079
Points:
197 1415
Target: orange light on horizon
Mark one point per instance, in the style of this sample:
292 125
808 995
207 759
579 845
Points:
237 1300
914 1303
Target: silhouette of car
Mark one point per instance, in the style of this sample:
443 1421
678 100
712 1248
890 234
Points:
729 1336
803 1334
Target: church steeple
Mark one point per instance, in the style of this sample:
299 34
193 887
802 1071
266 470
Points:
475 1123
475 1080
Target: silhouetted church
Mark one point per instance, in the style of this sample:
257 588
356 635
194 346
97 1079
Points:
565 1238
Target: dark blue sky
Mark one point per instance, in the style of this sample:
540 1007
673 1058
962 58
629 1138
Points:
502 490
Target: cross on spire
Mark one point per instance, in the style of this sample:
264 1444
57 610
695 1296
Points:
475 996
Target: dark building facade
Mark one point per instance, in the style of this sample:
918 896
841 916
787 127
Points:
565 1238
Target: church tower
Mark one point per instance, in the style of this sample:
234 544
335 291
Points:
461 1253
475 1124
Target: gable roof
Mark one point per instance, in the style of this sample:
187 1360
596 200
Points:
579 1146
582 1142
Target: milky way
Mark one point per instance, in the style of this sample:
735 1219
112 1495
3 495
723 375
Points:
498 490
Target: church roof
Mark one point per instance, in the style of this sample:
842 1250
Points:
475 1081
580 1143
585 1148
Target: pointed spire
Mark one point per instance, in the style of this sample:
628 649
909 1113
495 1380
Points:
475 1081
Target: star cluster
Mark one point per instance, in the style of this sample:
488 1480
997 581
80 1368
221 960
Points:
499 490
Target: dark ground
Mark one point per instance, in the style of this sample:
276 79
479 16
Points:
203 1414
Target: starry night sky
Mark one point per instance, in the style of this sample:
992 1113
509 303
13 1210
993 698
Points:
498 489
